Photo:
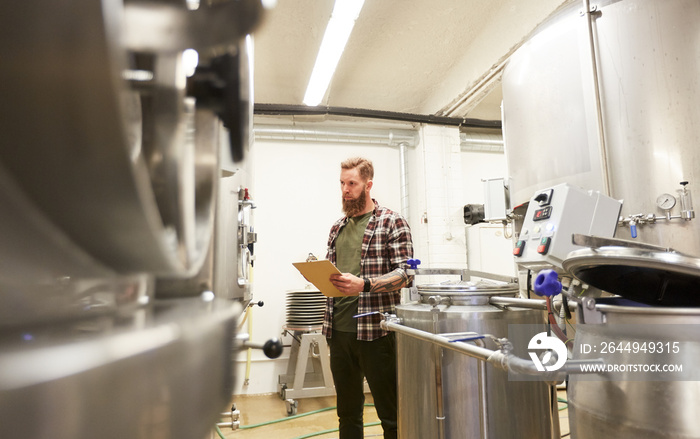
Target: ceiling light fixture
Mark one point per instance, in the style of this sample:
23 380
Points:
345 12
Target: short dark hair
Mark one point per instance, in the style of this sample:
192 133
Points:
364 167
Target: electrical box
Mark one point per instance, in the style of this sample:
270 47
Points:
554 215
495 200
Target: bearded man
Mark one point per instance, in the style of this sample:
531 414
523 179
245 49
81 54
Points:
370 246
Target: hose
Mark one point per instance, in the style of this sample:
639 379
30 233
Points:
333 430
249 315
245 318
289 418
249 353
555 326
565 402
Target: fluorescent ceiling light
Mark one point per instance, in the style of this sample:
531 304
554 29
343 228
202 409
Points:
345 12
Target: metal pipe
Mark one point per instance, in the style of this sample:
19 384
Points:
526 303
481 142
598 103
500 359
477 141
482 88
405 205
521 303
483 405
403 165
482 354
492 276
301 110
336 134
439 402
518 365
235 425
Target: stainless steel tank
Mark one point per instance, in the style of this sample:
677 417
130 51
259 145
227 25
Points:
446 394
630 407
643 393
109 171
606 99
646 66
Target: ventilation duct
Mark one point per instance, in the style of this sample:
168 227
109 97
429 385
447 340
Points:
335 134
481 142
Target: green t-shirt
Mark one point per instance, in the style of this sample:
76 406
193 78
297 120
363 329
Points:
348 254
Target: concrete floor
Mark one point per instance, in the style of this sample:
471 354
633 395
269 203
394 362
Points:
258 409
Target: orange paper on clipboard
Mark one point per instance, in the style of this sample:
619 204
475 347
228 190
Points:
319 273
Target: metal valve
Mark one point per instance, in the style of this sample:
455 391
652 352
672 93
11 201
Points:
272 348
633 227
434 301
687 212
665 202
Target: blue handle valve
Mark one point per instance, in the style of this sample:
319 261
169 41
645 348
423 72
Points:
413 263
547 283
633 230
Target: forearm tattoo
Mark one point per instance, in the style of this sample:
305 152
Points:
392 281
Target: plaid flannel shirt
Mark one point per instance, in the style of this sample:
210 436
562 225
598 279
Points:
386 246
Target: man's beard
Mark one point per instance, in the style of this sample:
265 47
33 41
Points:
355 206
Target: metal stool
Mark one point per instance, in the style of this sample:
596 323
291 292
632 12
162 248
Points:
304 378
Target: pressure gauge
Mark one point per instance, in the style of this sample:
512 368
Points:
666 201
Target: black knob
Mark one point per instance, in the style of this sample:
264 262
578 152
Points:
273 348
473 214
217 87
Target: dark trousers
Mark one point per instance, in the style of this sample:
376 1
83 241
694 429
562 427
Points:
351 361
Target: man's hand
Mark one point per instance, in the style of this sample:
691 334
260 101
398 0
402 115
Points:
348 284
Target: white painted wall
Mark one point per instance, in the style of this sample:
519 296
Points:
489 247
437 200
477 166
297 195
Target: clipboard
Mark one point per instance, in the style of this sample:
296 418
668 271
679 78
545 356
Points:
319 273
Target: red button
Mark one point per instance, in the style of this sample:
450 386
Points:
519 246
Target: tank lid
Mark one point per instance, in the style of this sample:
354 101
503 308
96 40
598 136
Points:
469 288
660 278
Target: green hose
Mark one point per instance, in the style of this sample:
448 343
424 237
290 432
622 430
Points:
333 430
288 418
565 402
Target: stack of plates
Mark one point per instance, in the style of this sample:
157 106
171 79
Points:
305 308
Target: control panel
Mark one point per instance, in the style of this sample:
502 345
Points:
556 213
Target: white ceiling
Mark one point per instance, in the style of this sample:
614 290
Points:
426 57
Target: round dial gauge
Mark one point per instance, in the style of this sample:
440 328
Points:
666 201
